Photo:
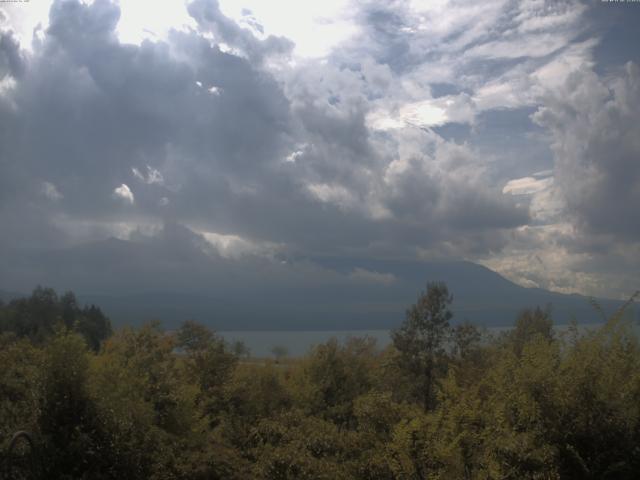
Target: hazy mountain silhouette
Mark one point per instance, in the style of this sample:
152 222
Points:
172 279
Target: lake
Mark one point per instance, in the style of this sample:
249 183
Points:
298 343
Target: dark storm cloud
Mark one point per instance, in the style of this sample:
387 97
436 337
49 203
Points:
12 61
200 129
503 61
595 126
90 109
210 19
385 25
217 129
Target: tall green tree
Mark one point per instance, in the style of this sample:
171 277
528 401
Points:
421 340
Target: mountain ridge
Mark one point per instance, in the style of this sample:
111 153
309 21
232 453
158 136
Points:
135 281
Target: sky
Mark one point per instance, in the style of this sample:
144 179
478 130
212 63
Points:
268 135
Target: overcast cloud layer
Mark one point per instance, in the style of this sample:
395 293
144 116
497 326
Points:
505 133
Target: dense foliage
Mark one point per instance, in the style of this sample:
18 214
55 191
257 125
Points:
37 317
441 402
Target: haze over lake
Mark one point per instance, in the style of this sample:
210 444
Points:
299 343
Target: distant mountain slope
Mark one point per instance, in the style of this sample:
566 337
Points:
487 298
134 282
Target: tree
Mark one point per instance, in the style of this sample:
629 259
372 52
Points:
333 376
465 339
279 352
67 419
19 388
208 362
193 336
38 316
529 324
147 406
420 341
35 316
240 349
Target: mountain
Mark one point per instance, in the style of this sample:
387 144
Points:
175 278
480 296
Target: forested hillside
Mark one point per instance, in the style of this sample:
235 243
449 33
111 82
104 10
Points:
441 402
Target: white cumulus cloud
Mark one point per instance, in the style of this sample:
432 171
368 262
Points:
123 192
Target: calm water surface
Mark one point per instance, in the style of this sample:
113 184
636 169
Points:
298 343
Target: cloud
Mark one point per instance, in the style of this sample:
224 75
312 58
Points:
12 58
367 276
233 246
123 192
152 176
210 19
316 28
585 236
595 126
223 128
334 194
50 191
527 185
